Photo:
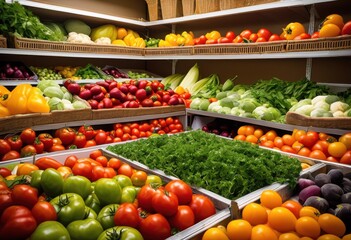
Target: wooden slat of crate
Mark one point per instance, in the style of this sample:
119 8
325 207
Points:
186 50
3 42
132 112
319 44
322 122
60 116
37 44
20 121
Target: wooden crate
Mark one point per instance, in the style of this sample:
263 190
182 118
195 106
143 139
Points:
319 44
3 42
132 112
322 122
206 6
154 9
171 8
229 4
185 50
188 7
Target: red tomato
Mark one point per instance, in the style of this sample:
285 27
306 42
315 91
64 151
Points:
57 147
181 189
95 154
274 37
109 172
155 227
264 33
88 131
309 139
25 195
28 136
80 140
246 33
346 158
17 222
238 39
321 145
230 35
224 40
66 135
145 196
83 169
293 206
202 207
97 172
5 197
346 30
253 37
4 146
11 155
39 145
165 202
114 163
183 219
100 138
125 169
15 142
261 39
90 143
44 211
4 172
211 41
315 35
102 160
28 150
302 36
47 140
127 215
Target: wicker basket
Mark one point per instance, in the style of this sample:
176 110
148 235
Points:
36 44
319 44
171 8
206 6
154 8
240 48
188 7
3 42
185 50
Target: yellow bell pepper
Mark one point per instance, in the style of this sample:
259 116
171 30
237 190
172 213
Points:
213 35
163 43
36 102
119 42
171 39
180 40
4 111
4 94
129 39
139 42
17 100
107 30
135 34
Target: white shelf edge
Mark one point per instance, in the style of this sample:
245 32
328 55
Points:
195 17
282 126
307 54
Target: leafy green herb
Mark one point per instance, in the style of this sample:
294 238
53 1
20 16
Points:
16 19
227 167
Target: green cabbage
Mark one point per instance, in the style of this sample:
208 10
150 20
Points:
58 29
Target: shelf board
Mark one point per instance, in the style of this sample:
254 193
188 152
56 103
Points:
191 18
282 126
307 54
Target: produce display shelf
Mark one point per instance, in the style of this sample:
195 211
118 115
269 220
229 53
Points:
198 122
64 46
58 119
284 55
189 18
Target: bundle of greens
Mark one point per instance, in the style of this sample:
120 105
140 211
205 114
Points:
16 19
226 167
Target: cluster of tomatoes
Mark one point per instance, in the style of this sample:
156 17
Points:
332 26
129 94
92 197
308 144
272 218
29 142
